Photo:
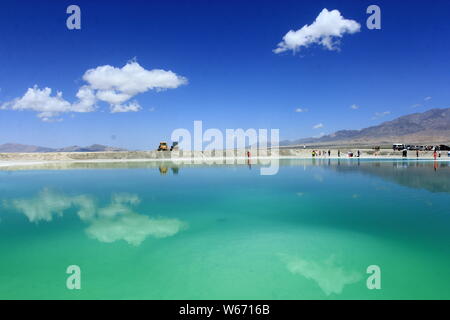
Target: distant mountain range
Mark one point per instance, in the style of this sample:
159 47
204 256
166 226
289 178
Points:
430 127
21 148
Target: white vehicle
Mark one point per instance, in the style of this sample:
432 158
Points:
398 146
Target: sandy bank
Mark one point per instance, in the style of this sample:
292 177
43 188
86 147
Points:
227 157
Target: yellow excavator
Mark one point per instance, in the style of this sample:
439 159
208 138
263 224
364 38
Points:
163 146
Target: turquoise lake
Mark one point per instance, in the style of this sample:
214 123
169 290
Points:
163 231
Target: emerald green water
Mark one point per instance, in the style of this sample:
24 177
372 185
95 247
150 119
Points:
226 232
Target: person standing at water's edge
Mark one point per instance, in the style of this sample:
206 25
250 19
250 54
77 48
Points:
405 153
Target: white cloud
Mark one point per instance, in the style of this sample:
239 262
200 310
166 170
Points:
300 110
425 100
115 86
131 79
328 27
130 107
48 106
112 97
354 107
379 115
86 100
318 126
118 85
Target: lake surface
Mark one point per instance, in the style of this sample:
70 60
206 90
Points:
161 231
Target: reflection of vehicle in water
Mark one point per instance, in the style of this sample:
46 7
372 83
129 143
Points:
163 170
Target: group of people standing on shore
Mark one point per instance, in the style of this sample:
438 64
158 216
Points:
436 153
327 153
324 153
320 153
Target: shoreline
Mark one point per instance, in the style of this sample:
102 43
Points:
210 160
226 157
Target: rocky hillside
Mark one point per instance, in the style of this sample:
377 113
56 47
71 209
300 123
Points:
432 126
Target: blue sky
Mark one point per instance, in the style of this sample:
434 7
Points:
225 51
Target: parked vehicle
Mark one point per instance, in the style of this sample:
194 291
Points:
174 146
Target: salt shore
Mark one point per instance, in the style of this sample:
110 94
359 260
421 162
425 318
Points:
31 160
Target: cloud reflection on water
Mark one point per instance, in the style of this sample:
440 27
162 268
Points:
114 222
330 277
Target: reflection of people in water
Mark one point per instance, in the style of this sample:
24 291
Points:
249 163
175 170
435 165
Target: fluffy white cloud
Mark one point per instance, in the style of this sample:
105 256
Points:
86 100
118 85
300 110
318 126
112 97
48 106
354 107
115 86
132 79
130 107
325 31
